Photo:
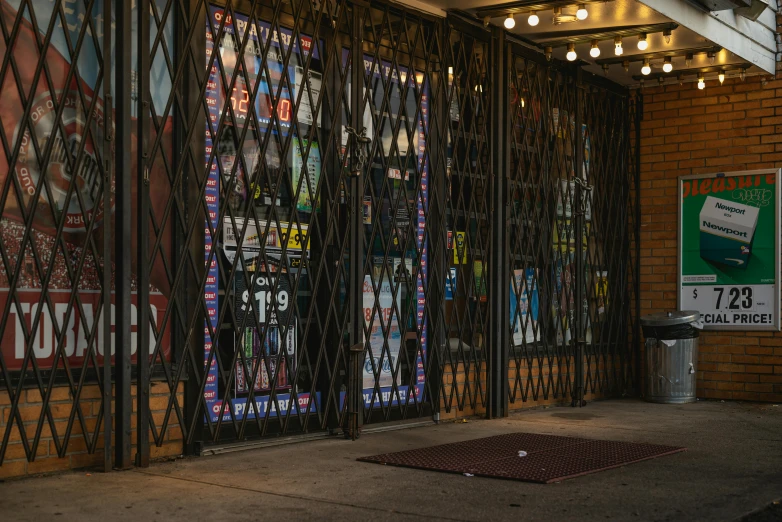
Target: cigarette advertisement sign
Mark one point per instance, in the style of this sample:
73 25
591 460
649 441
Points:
729 249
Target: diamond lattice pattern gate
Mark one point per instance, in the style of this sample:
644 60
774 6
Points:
302 234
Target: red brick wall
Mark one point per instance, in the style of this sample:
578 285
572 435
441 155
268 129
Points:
736 126
15 462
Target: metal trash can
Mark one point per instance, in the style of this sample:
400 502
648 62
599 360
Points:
671 356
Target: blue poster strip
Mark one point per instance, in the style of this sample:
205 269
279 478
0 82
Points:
259 33
406 396
264 406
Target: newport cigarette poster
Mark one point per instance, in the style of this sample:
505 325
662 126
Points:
729 249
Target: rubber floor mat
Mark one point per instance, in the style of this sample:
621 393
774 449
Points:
548 458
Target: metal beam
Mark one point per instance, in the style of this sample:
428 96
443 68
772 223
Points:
499 270
142 224
608 33
691 72
524 6
108 122
639 57
122 234
751 41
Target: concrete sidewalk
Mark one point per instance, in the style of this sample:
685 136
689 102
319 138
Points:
733 466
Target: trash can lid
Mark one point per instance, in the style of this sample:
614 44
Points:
671 318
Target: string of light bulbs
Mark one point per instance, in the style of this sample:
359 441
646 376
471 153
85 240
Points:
643 45
668 63
533 19
701 78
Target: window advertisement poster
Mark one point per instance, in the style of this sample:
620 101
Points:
269 350
460 250
450 284
377 320
524 307
563 302
52 224
405 278
309 184
729 249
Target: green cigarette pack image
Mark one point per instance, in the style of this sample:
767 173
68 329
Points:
727 229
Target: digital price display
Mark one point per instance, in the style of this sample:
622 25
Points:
240 103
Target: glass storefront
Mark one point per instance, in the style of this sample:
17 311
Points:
276 242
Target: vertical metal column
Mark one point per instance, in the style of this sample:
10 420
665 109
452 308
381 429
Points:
189 145
106 313
142 229
578 214
499 313
122 253
639 113
356 273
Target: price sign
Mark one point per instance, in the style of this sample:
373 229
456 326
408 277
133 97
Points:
729 249
295 237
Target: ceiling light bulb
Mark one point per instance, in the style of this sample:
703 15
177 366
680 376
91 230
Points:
582 13
743 75
548 51
642 43
618 46
594 52
533 19
626 65
721 77
646 69
701 83
571 52
667 36
510 22
688 59
711 56
667 65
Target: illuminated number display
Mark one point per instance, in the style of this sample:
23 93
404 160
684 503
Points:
240 104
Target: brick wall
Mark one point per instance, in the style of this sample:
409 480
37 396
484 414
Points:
531 378
736 126
15 462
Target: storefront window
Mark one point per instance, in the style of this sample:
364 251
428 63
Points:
266 168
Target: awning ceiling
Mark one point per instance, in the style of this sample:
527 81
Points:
717 40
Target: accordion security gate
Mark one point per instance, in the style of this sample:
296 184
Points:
289 252
572 219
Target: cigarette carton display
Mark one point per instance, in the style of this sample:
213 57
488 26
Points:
727 229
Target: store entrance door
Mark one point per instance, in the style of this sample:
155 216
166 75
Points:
391 236
277 212
316 239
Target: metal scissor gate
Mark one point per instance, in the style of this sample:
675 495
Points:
299 216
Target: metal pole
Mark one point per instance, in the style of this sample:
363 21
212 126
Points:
122 252
499 315
579 278
188 47
142 226
639 111
356 198
107 158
